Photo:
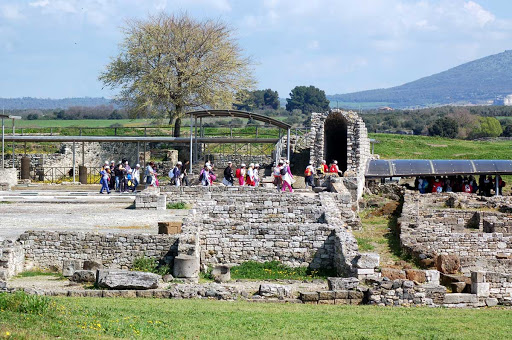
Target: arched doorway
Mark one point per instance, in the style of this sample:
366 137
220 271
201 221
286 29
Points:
335 139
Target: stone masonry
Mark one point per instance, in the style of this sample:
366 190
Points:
358 147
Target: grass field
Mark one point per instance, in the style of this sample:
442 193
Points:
88 318
423 147
92 123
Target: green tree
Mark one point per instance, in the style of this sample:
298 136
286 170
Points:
258 99
307 99
170 63
444 127
486 127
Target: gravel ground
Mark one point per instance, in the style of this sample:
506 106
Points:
15 218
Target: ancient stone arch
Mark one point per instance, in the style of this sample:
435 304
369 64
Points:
341 135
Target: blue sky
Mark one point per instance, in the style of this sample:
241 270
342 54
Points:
57 48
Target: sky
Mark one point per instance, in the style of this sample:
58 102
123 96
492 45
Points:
57 48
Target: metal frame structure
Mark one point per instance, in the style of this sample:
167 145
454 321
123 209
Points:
194 115
193 140
3 117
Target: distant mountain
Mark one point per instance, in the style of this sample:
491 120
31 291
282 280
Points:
50 104
475 82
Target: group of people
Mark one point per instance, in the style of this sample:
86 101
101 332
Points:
484 186
119 177
322 169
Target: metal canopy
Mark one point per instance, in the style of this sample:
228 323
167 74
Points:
439 167
239 114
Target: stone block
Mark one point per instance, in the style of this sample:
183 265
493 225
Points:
481 289
365 271
70 266
275 290
327 295
169 228
491 302
432 276
342 283
326 302
367 261
128 293
393 274
449 264
92 265
458 287
308 296
221 274
341 294
456 298
123 279
83 276
477 277
416 275
342 302
144 293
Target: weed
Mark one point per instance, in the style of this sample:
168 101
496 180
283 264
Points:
177 205
274 270
364 244
150 265
22 302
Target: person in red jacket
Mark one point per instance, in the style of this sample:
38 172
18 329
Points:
334 168
326 168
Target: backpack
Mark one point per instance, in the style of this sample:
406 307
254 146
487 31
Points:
307 172
171 173
283 171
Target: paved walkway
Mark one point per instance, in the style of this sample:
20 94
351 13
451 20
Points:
78 212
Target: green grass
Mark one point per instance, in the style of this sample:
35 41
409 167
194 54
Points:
93 123
274 270
88 318
424 147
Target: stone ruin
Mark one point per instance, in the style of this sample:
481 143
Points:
461 241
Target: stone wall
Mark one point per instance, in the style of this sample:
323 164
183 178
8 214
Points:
221 161
45 249
239 224
426 232
500 286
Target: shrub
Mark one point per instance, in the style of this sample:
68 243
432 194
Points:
150 265
22 302
176 205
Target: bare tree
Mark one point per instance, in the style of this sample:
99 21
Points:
170 63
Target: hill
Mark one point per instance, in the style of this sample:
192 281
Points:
475 82
27 103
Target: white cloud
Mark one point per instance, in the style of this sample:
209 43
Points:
40 3
11 12
482 16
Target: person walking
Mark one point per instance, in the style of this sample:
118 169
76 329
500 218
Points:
240 174
184 174
309 173
256 174
104 178
149 174
287 176
112 177
177 174
228 175
335 169
136 177
278 179
249 178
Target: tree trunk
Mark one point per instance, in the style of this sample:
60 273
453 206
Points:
177 127
177 123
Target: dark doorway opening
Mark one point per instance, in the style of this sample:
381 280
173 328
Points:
335 129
